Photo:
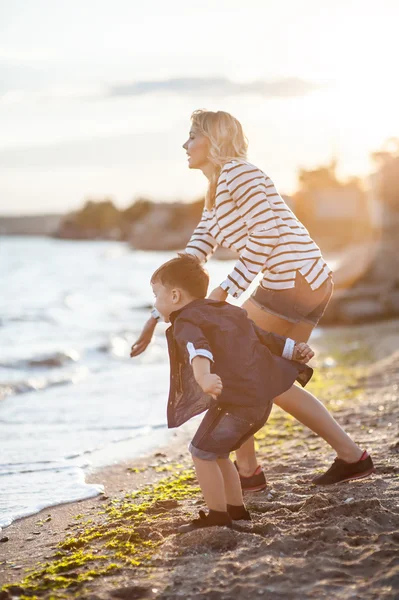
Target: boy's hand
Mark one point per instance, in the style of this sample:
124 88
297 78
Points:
302 352
211 384
145 338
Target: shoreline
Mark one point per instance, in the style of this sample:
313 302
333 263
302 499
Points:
339 542
98 474
117 479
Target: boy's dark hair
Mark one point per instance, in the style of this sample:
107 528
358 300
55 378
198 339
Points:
185 272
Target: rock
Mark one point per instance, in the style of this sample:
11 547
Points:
16 590
392 301
363 309
366 283
216 539
5 538
162 506
132 592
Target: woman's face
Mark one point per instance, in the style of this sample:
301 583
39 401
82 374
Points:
197 149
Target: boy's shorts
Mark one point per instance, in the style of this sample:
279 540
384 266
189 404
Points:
225 428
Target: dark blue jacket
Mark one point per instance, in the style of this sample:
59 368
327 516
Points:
247 359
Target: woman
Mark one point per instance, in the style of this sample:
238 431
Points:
244 212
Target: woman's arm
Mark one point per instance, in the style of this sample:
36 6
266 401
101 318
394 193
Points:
202 244
248 188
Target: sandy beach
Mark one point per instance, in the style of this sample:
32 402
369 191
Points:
338 542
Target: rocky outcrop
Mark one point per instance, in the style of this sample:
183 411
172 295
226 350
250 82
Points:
367 283
163 228
169 227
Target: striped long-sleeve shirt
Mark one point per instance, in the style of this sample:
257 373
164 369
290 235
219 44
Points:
251 218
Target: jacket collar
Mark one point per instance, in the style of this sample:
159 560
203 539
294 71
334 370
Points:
197 302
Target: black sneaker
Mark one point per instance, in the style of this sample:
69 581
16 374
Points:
253 483
344 471
212 519
238 513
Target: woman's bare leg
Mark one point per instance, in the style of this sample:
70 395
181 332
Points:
311 412
296 401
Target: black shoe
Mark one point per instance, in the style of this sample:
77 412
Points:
238 513
212 519
253 483
344 471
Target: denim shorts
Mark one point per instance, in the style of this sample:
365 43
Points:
297 304
225 428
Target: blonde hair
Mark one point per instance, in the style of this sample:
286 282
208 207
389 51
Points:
227 142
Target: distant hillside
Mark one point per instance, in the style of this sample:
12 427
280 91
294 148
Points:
30 224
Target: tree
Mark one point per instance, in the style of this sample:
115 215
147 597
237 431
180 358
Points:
98 216
387 177
137 210
328 206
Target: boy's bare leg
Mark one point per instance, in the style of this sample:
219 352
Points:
232 485
211 482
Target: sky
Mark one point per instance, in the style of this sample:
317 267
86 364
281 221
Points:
96 96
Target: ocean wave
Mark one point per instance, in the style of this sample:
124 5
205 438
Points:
34 384
54 360
24 469
73 493
27 318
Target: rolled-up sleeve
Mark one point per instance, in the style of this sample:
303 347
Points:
277 344
191 339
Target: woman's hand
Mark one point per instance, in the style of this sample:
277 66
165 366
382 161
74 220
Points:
302 352
145 338
211 384
218 294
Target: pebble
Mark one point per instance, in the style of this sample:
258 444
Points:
348 500
5 538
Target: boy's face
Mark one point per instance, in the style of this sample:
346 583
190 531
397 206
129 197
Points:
166 299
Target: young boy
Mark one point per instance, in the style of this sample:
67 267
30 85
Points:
223 363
